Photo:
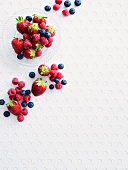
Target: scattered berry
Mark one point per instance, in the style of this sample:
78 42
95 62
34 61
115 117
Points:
38 53
72 11
24 104
63 82
42 32
36 37
58 86
18 97
12 92
27 98
29 18
65 12
31 74
22 92
43 70
53 73
58 2
77 2
30 104
14 107
51 78
67 3
51 87
6 113
18 89
56 80
59 75
20 118
20 56
60 66
12 97
47 8
2 102
27 92
15 81
24 111
47 35
56 7
21 84
54 67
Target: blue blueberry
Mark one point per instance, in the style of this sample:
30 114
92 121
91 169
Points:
20 56
22 92
30 104
63 82
51 87
60 66
2 102
77 2
72 11
56 80
32 74
6 113
47 35
47 8
67 3
42 32
29 18
27 92
24 104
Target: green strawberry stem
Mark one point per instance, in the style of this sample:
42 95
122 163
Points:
34 26
19 19
40 82
11 103
50 29
44 70
37 16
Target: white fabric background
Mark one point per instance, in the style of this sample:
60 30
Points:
84 126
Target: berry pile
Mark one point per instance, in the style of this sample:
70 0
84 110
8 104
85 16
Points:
36 35
67 4
20 99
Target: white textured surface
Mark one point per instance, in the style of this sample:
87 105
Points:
84 126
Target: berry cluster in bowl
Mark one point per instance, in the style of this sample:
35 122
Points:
36 35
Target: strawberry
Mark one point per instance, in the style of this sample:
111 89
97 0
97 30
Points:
38 53
14 107
43 41
42 25
43 70
33 29
17 45
36 45
39 19
27 98
59 75
36 37
29 54
48 45
22 25
51 30
26 36
38 87
27 44
54 67
18 97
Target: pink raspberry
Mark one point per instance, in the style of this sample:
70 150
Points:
12 92
27 44
18 97
56 7
20 118
21 84
15 81
36 37
24 111
50 40
43 41
18 89
58 2
27 98
51 78
65 12
42 26
38 53
59 75
53 73
12 97
54 67
26 36
48 45
58 86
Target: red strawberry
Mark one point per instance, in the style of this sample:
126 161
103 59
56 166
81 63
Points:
65 12
36 37
12 92
27 44
39 19
58 86
17 45
58 2
42 25
51 30
15 81
14 107
24 111
59 75
56 7
54 67
18 97
53 73
38 87
18 89
38 53
50 40
33 29
43 41
36 45
26 36
48 45
20 118
29 54
43 70
22 25
27 98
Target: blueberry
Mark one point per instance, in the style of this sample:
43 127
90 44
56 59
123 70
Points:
20 56
2 102
56 80
47 35
27 92
51 87
29 18
67 3
60 66
24 104
47 8
72 11
32 74
30 104
77 2
42 32
22 92
63 82
6 113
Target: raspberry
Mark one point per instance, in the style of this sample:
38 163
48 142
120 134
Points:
24 111
65 12
44 41
48 45
36 37
51 78
18 97
59 75
27 44
11 97
21 84
12 92
18 89
38 53
56 7
26 36
58 2
27 98
42 26
53 73
20 118
50 40
54 67
15 81
58 86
